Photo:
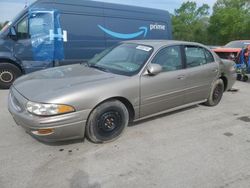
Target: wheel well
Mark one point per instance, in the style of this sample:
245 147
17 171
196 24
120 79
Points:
126 102
224 79
5 60
129 106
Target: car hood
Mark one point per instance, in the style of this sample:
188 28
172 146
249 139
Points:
56 80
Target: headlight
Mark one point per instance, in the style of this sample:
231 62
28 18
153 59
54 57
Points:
48 109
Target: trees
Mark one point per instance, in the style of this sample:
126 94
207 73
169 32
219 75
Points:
229 21
190 22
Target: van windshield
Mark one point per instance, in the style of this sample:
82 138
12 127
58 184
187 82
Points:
14 20
125 59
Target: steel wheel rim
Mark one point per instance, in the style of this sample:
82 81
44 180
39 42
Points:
109 122
6 76
217 93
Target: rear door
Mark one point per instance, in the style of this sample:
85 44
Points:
201 71
167 89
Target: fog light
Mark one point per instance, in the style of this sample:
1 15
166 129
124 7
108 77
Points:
43 132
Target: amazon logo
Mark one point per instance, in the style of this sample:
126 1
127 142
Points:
142 31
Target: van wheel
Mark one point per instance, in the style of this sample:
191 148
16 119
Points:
216 93
107 122
8 74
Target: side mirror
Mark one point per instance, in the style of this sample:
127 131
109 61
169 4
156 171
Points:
154 69
12 33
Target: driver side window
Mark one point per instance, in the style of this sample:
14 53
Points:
169 58
22 29
40 24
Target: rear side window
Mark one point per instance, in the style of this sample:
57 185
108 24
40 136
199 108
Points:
209 56
195 56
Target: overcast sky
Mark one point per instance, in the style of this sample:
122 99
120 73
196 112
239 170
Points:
9 8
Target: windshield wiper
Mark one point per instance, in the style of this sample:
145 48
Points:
85 63
98 67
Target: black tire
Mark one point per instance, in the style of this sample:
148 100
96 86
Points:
216 93
107 122
8 74
239 77
245 78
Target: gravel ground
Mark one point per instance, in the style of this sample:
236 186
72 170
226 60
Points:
198 147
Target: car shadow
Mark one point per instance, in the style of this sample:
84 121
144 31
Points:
61 143
83 140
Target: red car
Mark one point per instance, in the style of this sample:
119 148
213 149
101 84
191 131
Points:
232 49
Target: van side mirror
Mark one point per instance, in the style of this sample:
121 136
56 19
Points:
154 69
12 33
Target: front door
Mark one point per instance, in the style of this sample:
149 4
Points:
165 90
22 47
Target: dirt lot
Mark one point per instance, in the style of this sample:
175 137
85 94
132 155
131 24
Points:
199 147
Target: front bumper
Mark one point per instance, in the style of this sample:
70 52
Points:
65 127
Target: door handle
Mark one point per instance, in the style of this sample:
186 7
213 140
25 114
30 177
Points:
215 70
181 77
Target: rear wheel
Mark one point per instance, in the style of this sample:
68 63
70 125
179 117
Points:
107 122
216 93
8 74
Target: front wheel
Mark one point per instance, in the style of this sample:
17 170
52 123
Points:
216 93
107 122
8 74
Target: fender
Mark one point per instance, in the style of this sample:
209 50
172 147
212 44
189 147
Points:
7 56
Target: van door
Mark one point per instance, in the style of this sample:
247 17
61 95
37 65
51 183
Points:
84 37
22 48
40 40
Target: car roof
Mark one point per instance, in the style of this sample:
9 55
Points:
160 43
240 41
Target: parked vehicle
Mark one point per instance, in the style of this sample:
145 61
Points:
243 64
231 50
51 33
241 70
132 81
213 47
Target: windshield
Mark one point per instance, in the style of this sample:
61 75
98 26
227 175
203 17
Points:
125 59
237 44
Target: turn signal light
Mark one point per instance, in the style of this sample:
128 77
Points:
43 132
